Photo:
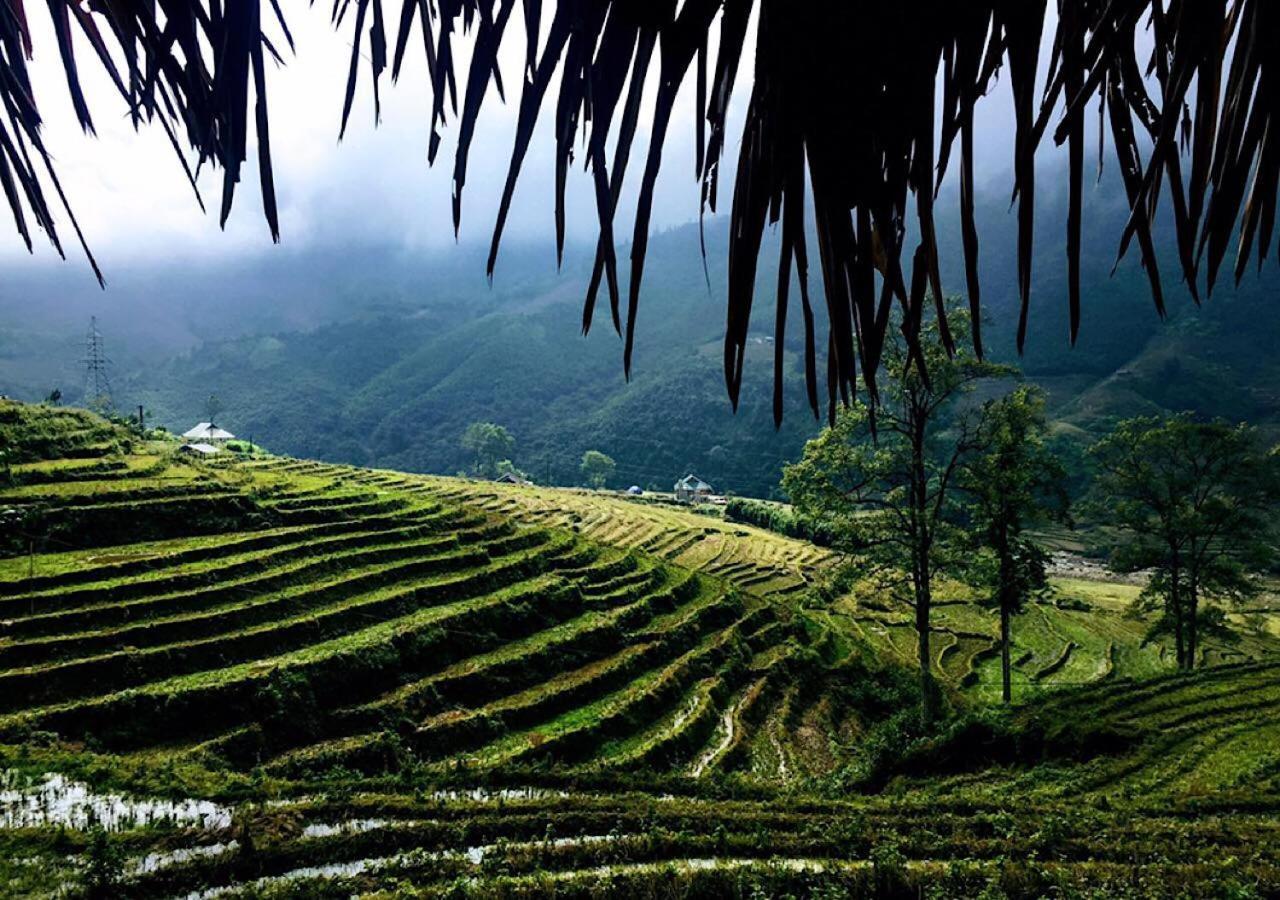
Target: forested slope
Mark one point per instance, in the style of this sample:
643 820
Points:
373 357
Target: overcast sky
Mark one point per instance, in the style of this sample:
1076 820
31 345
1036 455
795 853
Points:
134 203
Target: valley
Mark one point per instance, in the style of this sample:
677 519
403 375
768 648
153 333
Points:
794 451
370 358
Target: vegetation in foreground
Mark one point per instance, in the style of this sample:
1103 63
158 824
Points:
376 682
931 485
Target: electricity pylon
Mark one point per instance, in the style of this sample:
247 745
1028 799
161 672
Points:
97 381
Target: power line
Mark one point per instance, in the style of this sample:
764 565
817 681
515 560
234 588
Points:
97 380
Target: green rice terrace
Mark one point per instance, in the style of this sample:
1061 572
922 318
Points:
269 677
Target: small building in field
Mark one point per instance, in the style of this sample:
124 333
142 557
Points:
692 489
513 478
199 449
208 433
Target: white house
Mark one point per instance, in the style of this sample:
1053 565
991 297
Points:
199 449
692 489
208 433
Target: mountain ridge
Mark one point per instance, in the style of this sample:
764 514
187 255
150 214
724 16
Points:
378 368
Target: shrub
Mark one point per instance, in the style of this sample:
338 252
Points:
104 865
778 518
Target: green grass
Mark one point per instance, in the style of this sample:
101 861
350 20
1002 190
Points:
1110 595
33 433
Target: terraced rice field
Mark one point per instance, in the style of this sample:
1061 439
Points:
1201 739
1083 633
535 843
368 618
757 561
282 678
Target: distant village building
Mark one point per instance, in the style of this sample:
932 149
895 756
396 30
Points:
692 489
208 433
513 478
199 449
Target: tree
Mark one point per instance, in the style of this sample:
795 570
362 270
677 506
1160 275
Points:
212 408
507 467
1015 481
885 485
597 468
489 444
104 864
1195 501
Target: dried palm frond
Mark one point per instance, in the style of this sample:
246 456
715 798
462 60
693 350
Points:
183 65
843 106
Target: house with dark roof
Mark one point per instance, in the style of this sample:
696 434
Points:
513 478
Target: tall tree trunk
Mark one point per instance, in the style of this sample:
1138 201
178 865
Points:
928 689
923 535
1006 688
1006 611
1175 609
1193 626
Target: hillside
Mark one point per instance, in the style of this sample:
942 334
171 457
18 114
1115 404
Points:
57 437
370 357
1083 632
398 388
270 676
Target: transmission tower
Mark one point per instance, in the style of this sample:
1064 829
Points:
97 382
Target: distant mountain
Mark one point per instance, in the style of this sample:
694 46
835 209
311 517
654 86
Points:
398 387
1217 360
371 357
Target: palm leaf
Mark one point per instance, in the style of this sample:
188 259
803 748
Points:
842 96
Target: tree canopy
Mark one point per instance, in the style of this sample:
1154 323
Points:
1196 502
597 468
492 446
891 503
843 105
1014 482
